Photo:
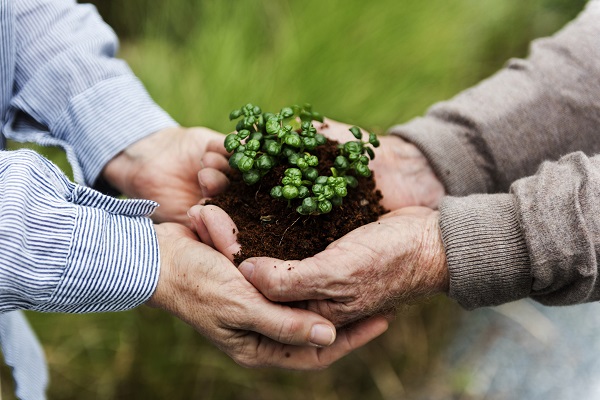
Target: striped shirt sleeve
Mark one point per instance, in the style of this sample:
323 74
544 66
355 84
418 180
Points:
71 91
68 248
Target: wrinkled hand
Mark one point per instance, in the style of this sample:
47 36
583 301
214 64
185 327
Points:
401 171
203 288
398 259
164 167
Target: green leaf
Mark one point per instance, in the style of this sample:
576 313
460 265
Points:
321 180
321 140
245 163
341 162
277 192
251 177
234 159
287 112
253 145
232 142
363 170
272 126
336 201
235 114
341 191
290 192
272 147
256 136
293 173
310 143
356 132
371 153
310 173
243 134
351 181
352 147
303 192
265 162
309 205
325 206
373 140
317 117
292 139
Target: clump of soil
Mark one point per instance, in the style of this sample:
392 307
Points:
268 227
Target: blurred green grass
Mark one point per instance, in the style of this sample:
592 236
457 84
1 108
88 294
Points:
374 64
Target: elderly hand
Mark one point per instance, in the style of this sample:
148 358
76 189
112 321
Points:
401 171
204 289
398 259
164 167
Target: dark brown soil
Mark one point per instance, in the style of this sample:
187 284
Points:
268 227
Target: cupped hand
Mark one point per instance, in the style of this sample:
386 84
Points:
164 167
401 171
397 259
203 288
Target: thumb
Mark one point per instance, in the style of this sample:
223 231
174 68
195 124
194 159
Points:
215 228
292 325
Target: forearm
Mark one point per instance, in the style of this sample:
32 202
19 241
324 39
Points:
533 110
542 240
67 248
70 90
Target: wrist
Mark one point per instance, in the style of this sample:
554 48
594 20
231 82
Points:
432 273
160 297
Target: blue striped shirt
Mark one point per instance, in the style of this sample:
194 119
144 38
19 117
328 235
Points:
63 246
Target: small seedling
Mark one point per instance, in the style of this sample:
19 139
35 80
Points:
264 140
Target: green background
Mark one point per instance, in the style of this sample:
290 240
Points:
374 64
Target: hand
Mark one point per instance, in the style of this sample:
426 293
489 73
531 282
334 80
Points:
398 259
204 289
401 171
164 167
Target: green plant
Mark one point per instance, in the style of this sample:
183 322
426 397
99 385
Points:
265 140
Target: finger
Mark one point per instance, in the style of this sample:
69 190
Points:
215 160
199 227
216 144
285 281
269 353
217 228
212 182
291 325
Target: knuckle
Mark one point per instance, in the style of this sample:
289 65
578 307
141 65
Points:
288 329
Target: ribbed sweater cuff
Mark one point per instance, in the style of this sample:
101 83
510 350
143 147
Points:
450 159
486 251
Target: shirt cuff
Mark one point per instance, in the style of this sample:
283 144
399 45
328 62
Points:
106 118
487 255
68 248
450 159
113 261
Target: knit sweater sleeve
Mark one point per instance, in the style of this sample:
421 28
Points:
541 240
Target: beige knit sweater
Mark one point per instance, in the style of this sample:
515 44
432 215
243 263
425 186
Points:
517 153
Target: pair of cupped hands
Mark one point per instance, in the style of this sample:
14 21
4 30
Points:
266 313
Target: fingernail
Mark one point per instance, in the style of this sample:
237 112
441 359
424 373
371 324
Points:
246 269
322 335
